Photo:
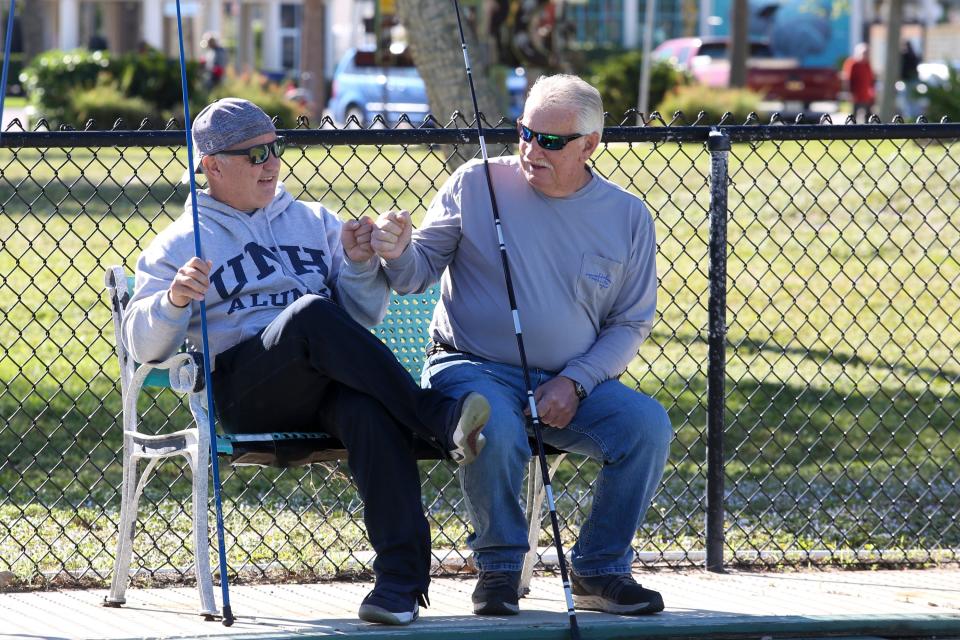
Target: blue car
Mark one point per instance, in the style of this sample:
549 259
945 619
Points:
362 89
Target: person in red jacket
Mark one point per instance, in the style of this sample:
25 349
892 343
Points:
860 81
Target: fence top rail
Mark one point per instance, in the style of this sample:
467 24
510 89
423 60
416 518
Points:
500 135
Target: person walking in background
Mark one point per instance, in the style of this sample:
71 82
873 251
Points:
909 60
214 60
860 80
909 75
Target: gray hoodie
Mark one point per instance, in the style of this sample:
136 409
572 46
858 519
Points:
262 261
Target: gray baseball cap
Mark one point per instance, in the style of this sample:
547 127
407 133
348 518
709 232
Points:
227 122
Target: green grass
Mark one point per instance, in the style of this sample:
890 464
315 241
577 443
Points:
843 365
14 102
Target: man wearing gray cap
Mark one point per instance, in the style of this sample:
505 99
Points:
291 287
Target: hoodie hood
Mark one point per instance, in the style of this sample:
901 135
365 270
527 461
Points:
262 262
281 201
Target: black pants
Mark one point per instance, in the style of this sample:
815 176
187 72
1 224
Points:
315 369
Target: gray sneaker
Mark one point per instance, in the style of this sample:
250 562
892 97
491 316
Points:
471 413
497 593
618 593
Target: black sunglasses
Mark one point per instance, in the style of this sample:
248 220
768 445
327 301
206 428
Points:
549 141
259 153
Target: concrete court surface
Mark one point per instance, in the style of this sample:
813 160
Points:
808 604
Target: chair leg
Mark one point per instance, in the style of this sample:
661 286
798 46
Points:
128 524
199 458
536 493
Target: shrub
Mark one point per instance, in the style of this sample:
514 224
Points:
712 101
261 92
618 79
104 104
944 99
50 78
156 78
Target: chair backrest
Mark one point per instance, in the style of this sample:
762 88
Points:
405 328
120 288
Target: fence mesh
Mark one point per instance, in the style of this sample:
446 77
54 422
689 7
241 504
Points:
842 368
842 306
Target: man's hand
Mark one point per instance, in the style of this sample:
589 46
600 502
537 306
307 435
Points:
190 283
392 235
557 402
355 237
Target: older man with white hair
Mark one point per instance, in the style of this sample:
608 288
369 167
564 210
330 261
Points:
582 255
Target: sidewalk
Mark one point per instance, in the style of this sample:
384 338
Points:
811 604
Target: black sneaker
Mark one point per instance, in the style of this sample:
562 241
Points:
470 414
497 593
614 594
385 606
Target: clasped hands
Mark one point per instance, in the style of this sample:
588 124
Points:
386 237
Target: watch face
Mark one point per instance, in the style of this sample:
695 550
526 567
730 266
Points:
581 392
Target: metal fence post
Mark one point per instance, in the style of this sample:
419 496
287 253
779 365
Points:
719 146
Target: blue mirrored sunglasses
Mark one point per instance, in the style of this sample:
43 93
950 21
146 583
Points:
549 141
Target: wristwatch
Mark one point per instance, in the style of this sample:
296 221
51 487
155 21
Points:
580 391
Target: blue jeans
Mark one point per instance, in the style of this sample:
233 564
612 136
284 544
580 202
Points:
628 432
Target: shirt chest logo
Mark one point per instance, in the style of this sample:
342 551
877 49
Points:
602 279
257 263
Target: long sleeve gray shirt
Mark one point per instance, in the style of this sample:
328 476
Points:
583 269
262 262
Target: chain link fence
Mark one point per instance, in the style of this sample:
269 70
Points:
826 381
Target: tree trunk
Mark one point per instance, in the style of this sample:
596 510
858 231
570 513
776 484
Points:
31 26
312 45
434 42
738 43
891 65
129 28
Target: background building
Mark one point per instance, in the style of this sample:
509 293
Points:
266 35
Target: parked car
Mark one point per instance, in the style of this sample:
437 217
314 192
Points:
362 89
707 61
